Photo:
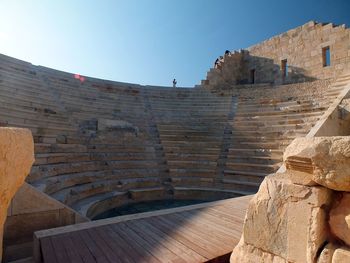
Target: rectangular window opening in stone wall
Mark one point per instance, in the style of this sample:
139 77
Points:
252 76
284 68
326 56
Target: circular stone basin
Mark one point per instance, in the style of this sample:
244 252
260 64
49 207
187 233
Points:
146 207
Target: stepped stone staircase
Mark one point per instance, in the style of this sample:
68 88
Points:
223 157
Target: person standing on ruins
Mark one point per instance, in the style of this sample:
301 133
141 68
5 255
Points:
216 63
174 83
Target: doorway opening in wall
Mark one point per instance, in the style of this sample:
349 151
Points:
326 56
284 68
252 76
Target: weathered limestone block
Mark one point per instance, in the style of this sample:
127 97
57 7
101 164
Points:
341 255
16 159
296 178
245 253
286 220
327 253
324 160
339 218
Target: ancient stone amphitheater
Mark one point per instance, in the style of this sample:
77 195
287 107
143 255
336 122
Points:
104 148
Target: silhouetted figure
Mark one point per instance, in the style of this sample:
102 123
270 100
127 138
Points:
227 52
221 60
216 63
174 83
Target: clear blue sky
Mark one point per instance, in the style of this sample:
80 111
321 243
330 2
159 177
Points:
148 41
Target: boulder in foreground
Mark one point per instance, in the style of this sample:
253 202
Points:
16 159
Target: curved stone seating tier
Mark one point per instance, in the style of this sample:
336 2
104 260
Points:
50 170
52 185
97 204
161 142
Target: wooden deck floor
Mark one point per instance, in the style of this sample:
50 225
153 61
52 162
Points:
196 233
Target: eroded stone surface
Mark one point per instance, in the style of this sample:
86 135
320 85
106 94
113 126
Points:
116 125
324 160
249 254
16 159
296 178
327 253
287 220
339 218
341 255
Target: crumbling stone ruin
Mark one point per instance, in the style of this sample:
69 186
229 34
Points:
302 214
309 52
266 118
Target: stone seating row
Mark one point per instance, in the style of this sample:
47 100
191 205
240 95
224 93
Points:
257 131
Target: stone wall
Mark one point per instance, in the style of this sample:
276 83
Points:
31 210
301 47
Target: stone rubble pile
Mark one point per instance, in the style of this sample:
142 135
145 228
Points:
303 214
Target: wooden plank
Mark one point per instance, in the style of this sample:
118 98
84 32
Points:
226 220
128 248
145 244
81 248
59 250
235 213
234 206
222 214
48 250
110 242
72 253
210 229
185 238
138 243
178 248
127 235
90 243
211 222
154 241
103 245
203 231
236 221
